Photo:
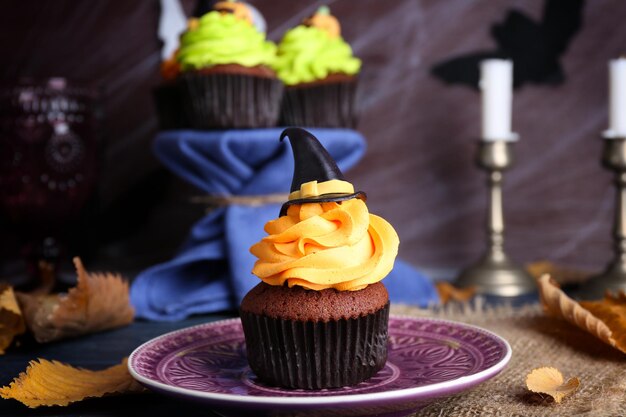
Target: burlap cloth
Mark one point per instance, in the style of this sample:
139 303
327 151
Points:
537 341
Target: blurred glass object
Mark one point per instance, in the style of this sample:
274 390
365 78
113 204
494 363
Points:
48 162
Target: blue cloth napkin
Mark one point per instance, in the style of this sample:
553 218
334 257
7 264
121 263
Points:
212 270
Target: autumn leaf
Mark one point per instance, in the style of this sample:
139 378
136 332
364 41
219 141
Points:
604 319
612 312
550 381
448 292
47 275
99 301
47 383
11 320
560 274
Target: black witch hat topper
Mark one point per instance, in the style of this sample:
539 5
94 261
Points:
316 176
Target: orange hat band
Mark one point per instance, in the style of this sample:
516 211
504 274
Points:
315 189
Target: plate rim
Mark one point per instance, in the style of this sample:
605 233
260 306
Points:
414 393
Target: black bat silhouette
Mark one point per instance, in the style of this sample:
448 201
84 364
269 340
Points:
534 48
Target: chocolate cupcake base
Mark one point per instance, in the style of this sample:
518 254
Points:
297 343
222 100
322 104
169 106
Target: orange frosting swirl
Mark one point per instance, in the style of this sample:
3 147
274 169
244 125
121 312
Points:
326 245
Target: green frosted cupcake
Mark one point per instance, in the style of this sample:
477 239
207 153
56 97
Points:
227 76
320 73
167 97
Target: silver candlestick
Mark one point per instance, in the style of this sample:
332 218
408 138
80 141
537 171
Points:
614 277
494 273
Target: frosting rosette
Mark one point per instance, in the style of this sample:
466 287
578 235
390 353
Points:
307 54
326 245
224 39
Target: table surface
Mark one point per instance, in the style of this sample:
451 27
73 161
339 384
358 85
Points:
100 351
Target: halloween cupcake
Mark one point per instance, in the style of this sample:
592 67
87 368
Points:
319 317
320 74
167 96
227 76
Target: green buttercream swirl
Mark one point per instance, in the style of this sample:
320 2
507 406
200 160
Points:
308 54
224 39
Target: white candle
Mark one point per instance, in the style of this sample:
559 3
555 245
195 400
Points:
496 83
171 24
617 98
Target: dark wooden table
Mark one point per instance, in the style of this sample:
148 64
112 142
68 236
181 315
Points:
105 349
100 351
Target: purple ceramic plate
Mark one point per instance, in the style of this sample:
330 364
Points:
428 358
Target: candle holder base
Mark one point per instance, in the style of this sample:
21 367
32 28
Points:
614 277
495 274
613 280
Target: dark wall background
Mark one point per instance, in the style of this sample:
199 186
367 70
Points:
418 171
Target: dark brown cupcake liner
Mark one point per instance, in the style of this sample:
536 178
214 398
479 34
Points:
316 355
331 104
221 101
169 106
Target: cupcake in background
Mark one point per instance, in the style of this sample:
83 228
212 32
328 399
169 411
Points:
227 78
167 96
320 73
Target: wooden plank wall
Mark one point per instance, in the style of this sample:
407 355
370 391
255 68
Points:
422 133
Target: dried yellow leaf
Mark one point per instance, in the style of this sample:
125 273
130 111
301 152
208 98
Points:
550 381
98 302
11 320
47 273
560 274
612 312
448 292
603 319
54 383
